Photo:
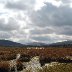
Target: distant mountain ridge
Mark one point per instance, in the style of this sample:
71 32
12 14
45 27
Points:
58 44
9 43
62 44
36 44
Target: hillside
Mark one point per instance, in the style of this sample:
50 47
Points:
62 44
9 43
36 44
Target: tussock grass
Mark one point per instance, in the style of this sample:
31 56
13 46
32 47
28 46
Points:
4 66
54 54
8 53
61 67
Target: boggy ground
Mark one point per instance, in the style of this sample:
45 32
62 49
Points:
47 55
8 53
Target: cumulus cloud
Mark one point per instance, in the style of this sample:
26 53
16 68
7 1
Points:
4 35
33 20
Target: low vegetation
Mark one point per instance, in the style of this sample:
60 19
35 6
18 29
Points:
7 53
60 67
47 55
63 67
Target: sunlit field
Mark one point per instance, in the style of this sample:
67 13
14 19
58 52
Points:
35 59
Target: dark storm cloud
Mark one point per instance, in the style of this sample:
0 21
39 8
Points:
41 38
20 5
41 31
15 5
66 30
43 17
11 25
56 17
66 1
46 39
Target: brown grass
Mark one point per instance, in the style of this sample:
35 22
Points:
10 53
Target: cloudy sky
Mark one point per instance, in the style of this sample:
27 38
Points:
26 21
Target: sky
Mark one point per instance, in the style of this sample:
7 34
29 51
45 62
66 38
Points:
26 21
